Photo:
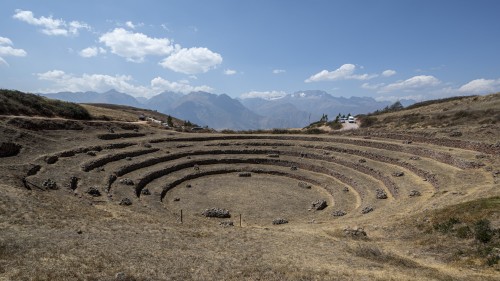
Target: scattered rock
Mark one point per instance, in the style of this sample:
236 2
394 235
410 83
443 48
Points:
305 185
414 193
226 223
407 142
303 155
319 205
128 158
127 181
414 158
362 160
339 213
245 174
398 174
177 199
366 210
49 184
279 221
188 186
345 189
455 134
91 153
145 191
381 194
93 191
293 168
355 232
79 231
125 202
196 167
273 155
147 145
216 213
122 276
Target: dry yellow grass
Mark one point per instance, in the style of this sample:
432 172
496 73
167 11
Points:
65 234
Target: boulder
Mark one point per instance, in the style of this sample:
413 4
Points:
49 184
355 232
319 205
126 202
381 194
414 193
339 213
279 221
94 192
366 210
398 174
305 185
226 223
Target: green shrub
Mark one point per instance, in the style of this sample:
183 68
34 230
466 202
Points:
447 226
483 231
368 121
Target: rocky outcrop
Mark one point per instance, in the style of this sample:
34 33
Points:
216 213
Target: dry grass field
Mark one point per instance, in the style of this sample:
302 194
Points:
97 200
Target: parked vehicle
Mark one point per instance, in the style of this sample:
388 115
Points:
351 119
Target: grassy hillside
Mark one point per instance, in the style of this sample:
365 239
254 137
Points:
475 110
19 103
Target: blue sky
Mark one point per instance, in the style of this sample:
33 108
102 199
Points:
386 49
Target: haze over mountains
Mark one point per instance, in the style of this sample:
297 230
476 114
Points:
223 112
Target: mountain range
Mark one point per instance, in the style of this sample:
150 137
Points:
294 110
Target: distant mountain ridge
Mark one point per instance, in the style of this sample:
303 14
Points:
294 110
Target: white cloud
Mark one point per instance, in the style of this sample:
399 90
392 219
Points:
344 72
130 24
278 71
91 52
7 50
135 46
413 83
192 60
388 73
268 95
62 81
369 86
230 72
481 86
160 85
51 26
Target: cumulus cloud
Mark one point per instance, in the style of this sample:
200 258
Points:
132 25
481 86
62 81
413 83
268 95
135 46
91 52
278 71
344 72
230 72
388 73
192 60
49 25
6 50
160 85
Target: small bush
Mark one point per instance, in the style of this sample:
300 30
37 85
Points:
368 121
447 226
483 231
